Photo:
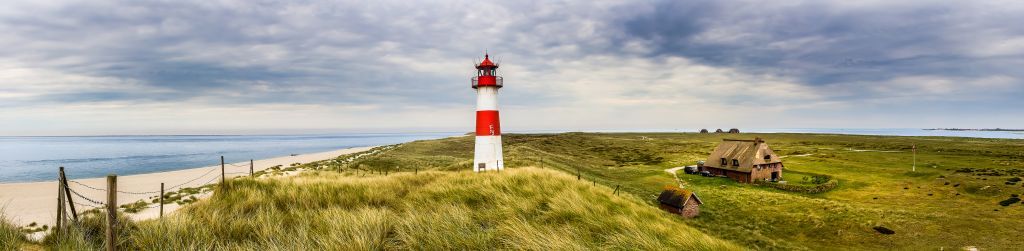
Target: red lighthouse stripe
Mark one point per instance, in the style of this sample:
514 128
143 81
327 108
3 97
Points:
486 81
487 123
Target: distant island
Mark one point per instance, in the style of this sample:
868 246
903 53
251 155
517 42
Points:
969 129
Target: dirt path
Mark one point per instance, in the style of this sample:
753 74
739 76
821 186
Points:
673 172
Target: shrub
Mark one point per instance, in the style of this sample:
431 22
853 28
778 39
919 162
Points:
820 188
884 230
820 179
1009 201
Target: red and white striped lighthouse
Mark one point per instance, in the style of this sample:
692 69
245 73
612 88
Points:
487 154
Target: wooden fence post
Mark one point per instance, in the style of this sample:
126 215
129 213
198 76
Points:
577 173
222 171
161 200
251 168
60 209
616 190
111 212
67 194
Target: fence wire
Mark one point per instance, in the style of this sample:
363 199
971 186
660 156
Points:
84 197
90 204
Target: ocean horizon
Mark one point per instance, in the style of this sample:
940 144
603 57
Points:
37 158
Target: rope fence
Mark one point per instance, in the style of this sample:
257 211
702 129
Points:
136 201
152 199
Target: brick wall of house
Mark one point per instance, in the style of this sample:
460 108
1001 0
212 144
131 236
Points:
691 209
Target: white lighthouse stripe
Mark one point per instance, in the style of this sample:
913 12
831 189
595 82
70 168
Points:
488 153
486 98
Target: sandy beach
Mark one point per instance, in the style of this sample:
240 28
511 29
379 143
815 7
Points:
24 203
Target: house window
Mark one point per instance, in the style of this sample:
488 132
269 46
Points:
735 162
767 157
723 161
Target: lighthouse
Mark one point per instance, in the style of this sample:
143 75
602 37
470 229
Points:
487 153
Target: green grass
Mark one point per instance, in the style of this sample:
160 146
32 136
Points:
951 201
11 236
928 214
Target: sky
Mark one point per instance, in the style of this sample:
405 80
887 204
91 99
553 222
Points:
242 67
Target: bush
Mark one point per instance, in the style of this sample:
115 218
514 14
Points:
820 188
884 230
1009 201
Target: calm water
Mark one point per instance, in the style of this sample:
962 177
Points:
37 158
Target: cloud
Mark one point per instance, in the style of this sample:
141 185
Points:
385 64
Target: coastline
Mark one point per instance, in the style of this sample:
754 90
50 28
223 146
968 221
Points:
28 202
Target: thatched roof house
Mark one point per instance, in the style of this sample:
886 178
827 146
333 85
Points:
680 201
703 130
734 130
744 161
719 130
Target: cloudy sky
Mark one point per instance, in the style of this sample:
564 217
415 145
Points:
193 67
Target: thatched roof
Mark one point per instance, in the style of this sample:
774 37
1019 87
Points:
747 152
677 197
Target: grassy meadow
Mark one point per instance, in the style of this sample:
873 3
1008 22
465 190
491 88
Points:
557 195
950 201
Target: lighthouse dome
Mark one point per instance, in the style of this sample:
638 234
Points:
486 63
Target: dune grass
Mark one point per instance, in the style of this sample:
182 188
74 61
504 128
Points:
11 237
526 208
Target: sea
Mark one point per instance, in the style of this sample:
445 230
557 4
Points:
37 158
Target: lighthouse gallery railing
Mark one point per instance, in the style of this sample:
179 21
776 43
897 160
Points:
497 82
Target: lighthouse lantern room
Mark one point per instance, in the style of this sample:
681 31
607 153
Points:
487 153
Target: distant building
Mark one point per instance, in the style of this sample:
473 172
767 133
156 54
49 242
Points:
744 161
680 201
703 130
719 130
734 130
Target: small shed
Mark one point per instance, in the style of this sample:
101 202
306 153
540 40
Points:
680 201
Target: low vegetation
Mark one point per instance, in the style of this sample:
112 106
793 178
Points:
11 236
556 194
951 201
525 208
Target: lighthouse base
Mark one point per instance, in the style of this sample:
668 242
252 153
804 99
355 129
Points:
487 155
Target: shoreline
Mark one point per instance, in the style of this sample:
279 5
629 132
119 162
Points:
27 202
